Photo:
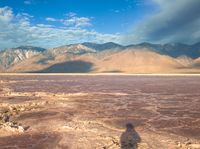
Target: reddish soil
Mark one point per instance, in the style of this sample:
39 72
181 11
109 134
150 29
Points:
90 112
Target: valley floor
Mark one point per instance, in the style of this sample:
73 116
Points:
91 111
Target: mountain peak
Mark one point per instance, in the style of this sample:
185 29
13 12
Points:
175 44
104 46
107 56
38 49
9 57
72 48
196 44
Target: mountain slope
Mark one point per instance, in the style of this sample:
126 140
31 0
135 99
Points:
128 61
73 49
103 47
10 57
76 66
172 49
138 61
108 57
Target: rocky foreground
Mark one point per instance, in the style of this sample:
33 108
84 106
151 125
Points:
88 112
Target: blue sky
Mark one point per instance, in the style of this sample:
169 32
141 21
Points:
50 23
106 16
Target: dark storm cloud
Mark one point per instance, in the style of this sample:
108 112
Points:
176 21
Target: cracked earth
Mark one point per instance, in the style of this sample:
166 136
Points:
90 112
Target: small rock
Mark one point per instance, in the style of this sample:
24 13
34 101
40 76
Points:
188 143
26 127
3 110
195 146
179 144
22 109
5 118
20 129
9 126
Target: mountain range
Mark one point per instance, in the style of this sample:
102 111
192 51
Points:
103 58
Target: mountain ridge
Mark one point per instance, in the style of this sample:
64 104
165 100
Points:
107 57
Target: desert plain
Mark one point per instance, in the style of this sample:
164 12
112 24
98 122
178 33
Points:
91 111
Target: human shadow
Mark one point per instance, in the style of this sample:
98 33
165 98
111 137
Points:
130 138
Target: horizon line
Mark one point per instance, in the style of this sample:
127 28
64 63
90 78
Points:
134 44
100 74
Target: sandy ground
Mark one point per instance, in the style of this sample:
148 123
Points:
91 112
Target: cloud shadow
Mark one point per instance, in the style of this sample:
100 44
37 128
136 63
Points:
69 67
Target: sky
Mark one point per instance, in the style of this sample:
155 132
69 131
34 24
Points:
50 23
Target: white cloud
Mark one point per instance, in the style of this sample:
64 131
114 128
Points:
27 2
51 19
77 21
72 20
44 25
71 14
6 14
27 15
17 30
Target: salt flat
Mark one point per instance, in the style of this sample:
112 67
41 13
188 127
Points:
91 111
99 74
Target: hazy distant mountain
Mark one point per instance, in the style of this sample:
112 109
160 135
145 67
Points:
102 47
107 57
173 49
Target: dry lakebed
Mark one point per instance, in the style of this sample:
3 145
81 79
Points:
91 111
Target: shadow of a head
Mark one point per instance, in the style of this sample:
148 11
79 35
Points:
130 138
